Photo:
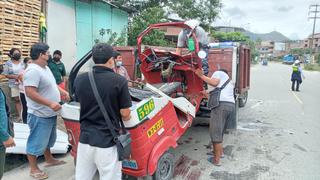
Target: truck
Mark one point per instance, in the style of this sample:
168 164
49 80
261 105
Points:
172 97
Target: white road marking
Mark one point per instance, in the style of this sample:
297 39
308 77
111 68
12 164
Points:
297 98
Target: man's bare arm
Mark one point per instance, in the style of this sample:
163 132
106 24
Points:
33 94
211 81
179 51
125 114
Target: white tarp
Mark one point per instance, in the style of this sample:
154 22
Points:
21 135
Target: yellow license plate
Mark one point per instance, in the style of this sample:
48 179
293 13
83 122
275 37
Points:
156 127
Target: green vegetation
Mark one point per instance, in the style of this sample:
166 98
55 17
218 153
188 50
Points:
139 23
317 58
238 37
149 12
114 39
205 11
301 51
230 36
312 67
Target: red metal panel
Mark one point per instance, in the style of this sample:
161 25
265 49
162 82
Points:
220 58
244 69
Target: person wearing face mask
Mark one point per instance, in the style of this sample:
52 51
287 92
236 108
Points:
43 97
11 70
57 68
119 68
97 149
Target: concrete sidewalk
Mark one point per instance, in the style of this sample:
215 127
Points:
62 172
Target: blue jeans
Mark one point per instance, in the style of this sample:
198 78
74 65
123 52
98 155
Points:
43 134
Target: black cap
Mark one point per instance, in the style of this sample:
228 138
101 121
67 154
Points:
102 52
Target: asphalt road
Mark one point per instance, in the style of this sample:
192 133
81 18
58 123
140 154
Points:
277 137
278 132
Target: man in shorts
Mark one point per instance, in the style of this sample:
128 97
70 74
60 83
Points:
222 114
43 97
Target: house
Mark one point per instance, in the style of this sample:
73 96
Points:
296 44
316 42
272 49
74 26
266 49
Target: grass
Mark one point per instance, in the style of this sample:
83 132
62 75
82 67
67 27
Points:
312 67
276 59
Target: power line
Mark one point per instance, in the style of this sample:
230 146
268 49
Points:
313 14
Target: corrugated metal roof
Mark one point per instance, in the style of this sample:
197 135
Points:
118 7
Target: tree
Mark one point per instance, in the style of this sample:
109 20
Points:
139 5
237 37
230 36
114 39
301 51
258 41
205 11
142 21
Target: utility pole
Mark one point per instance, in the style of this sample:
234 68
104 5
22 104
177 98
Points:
313 11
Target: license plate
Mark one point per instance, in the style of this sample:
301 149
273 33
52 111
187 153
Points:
131 164
144 110
154 128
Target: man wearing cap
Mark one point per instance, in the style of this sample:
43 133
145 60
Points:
96 148
202 38
296 75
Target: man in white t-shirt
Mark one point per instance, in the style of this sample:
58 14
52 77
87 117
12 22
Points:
221 114
43 97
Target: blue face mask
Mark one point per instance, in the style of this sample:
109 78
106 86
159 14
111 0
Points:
119 63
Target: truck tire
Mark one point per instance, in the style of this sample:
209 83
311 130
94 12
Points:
165 167
243 99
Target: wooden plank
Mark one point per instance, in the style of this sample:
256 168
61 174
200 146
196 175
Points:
19 22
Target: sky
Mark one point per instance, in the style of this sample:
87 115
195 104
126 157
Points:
289 17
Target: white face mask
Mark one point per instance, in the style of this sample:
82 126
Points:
119 63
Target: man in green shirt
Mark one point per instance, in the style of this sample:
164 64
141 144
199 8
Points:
57 68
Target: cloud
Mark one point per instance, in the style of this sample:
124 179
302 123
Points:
235 12
283 8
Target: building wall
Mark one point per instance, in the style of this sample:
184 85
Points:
316 42
91 18
62 30
74 26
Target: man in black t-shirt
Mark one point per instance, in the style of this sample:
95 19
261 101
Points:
96 148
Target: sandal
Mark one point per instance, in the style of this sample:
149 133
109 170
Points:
39 175
57 163
211 154
211 160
